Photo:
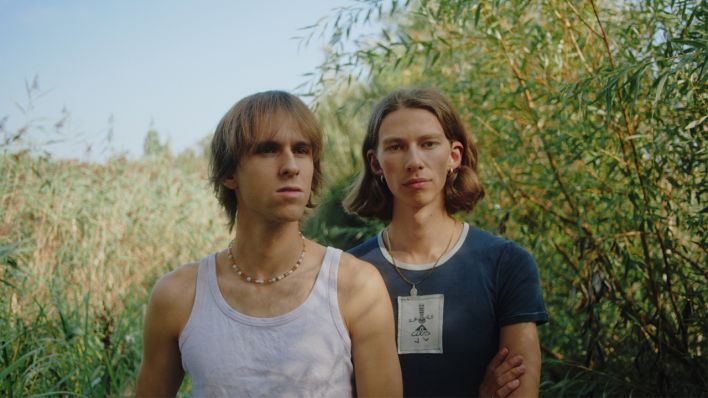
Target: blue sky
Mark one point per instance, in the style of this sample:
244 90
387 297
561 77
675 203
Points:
127 66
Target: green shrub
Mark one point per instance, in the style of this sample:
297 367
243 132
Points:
590 122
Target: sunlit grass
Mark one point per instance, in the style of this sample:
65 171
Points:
81 245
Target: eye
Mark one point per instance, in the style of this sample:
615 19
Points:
266 148
393 147
302 149
430 144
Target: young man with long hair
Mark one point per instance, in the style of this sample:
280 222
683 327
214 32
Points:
459 294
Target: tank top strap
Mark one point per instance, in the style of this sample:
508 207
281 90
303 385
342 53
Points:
330 268
205 274
206 271
202 295
329 272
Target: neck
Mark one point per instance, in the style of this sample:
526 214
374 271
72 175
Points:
265 250
420 236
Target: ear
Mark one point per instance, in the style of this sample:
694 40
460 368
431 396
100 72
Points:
230 183
456 149
373 162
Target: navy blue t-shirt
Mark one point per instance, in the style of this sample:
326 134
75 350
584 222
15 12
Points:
488 282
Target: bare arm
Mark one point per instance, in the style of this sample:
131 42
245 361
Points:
522 339
367 312
502 375
161 370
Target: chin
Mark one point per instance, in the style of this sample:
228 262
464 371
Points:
289 215
419 201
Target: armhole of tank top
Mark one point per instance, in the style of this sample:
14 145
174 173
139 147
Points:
333 259
200 284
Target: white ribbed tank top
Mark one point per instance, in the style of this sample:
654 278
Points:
303 353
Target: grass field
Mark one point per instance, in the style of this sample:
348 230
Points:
80 247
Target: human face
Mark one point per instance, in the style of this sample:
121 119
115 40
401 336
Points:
273 182
414 156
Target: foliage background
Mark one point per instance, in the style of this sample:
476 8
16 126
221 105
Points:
590 121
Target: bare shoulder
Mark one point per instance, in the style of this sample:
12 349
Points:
172 296
357 274
174 284
359 281
367 313
364 302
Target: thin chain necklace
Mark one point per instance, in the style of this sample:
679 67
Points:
414 291
258 281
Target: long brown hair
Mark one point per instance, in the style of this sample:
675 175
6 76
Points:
370 197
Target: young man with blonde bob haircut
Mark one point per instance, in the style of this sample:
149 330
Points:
273 314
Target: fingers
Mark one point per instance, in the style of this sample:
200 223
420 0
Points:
508 364
513 373
513 362
502 374
489 384
498 359
507 389
507 374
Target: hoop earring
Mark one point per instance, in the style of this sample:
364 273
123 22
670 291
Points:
451 175
383 180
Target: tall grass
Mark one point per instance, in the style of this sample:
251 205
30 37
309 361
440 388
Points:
80 247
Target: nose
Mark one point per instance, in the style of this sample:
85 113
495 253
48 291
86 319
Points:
289 166
413 161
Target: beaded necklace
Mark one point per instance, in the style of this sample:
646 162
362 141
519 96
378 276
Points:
269 281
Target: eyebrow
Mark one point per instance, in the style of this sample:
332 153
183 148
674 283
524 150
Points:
303 142
429 136
422 137
259 144
269 142
391 139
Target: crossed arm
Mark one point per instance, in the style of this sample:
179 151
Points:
522 339
516 369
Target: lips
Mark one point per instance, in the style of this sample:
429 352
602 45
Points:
289 189
416 182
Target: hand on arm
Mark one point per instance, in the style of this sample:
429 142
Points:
367 312
522 339
161 370
502 375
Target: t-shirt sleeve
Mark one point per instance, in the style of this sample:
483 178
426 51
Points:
519 296
362 250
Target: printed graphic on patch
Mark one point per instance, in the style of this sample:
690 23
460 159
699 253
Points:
420 320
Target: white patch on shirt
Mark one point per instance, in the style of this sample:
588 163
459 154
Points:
420 322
